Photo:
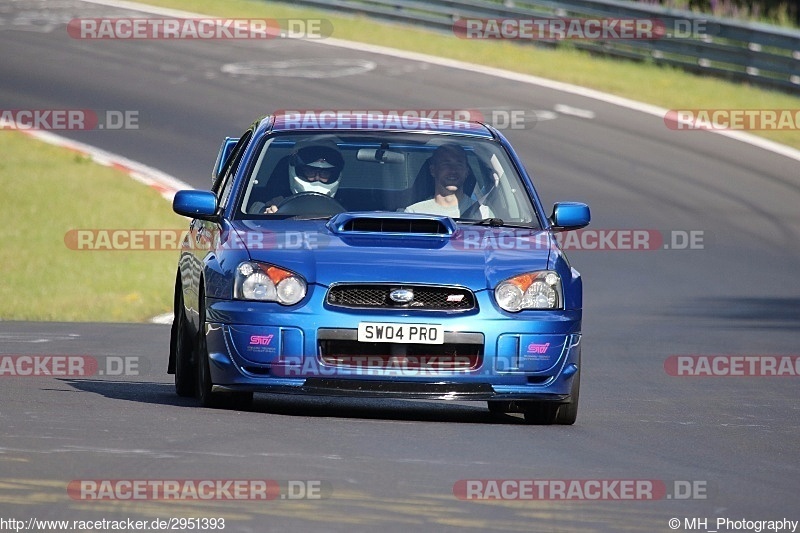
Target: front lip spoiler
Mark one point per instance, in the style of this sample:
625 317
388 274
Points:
399 390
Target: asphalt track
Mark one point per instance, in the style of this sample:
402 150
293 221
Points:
392 465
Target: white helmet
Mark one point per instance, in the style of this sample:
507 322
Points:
315 161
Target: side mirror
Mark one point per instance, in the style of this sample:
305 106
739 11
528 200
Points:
570 216
196 204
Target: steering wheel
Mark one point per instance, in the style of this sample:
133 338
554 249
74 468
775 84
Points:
310 203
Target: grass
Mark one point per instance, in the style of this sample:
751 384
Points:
49 191
662 86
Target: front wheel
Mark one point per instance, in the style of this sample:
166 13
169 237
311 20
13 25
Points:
546 413
568 412
182 345
204 389
499 407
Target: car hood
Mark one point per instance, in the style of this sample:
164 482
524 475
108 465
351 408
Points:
477 257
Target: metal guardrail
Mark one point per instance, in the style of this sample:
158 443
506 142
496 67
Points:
749 52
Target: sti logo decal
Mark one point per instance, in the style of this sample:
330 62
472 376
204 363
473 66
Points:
538 348
261 339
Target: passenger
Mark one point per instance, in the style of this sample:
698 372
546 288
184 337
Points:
449 169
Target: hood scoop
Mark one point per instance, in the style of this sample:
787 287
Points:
388 223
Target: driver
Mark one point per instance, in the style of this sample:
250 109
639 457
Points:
315 168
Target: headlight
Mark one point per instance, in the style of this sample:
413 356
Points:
268 283
534 290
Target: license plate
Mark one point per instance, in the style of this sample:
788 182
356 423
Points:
400 333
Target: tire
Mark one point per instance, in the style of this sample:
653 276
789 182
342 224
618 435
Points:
203 391
568 412
498 407
181 342
541 413
546 413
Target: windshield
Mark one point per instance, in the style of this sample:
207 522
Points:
468 179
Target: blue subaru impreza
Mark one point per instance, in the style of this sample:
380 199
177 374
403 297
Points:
377 257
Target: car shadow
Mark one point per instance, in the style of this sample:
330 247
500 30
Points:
308 406
132 391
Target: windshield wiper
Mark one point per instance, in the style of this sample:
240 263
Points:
493 222
278 216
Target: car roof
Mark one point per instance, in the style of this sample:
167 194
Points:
417 121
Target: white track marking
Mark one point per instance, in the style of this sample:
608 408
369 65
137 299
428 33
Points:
573 111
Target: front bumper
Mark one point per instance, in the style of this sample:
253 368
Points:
488 355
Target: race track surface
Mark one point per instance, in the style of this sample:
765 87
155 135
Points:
396 465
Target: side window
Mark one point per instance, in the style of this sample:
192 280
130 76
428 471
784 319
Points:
224 184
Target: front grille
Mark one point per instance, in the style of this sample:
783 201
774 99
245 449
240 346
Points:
340 348
418 357
426 298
